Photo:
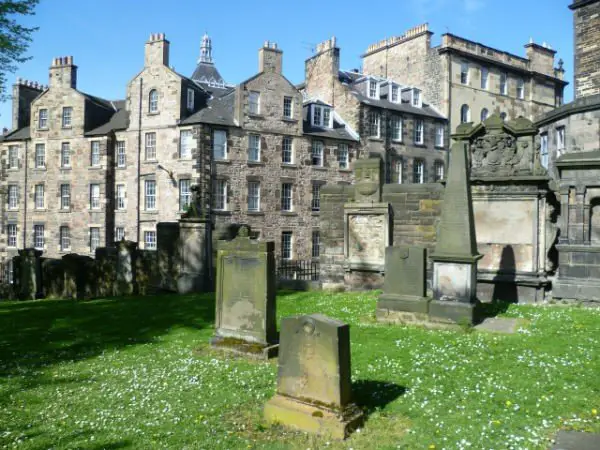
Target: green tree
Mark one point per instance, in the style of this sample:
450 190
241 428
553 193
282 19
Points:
14 37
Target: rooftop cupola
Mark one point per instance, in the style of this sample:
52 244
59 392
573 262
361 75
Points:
206 50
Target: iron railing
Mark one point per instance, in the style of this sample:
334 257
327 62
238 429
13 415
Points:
307 270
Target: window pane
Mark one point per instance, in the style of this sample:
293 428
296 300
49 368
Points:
220 195
219 144
38 237
343 156
94 239
186 139
287 156
418 171
185 194
121 154
253 196
287 107
95 156
286 196
316 197
40 155
286 245
150 240
254 147
150 146
65 155
150 194
317 153
254 102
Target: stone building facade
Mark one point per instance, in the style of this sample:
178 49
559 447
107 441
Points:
393 120
80 172
468 81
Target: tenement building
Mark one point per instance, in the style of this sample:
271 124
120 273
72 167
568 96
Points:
468 81
80 172
393 120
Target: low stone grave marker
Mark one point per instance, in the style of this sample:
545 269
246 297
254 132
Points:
245 309
313 384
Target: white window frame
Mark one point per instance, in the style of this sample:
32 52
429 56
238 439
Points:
485 75
121 154
287 197
287 245
150 195
343 156
40 156
219 149
185 193
186 143
374 124
254 147
520 89
418 171
119 231
465 113
253 196
67 115
13 156
43 119
321 116
317 153
464 72
484 114
254 102
397 128
39 196
503 83
149 240
399 170
65 196
150 146
38 236
13 196
190 99
121 195
12 235
372 88
416 98
544 150
95 153
419 131
65 154
439 135
94 196
439 170
94 239
560 140
315 201
64 238
220 195
288 107
395 96
287 150
153 101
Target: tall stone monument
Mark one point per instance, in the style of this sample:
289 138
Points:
404 290
313 385
455 255
245 309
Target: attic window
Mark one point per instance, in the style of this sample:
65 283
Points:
321 116
395 94
373 89
416 98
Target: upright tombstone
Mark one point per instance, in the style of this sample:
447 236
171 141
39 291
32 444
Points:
245 309
404 290
79 276
125 283
455 256
29 274
314 389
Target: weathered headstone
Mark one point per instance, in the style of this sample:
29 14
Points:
455 256
29 274
168 249
105 269
195 251
313 385
245 309
125 277
79 276
404 289
53 278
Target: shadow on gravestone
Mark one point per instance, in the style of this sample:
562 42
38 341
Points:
314 391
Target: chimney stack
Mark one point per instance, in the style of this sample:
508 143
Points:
157 50
63 73
24 92
270 58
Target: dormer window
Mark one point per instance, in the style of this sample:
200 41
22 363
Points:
416 98
321 116
395 94
373 89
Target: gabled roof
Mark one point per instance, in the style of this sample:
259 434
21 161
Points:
218 111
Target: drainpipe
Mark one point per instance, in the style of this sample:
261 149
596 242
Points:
139 163
25 198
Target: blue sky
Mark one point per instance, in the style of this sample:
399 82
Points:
106 37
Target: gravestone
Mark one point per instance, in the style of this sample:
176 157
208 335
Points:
79 276
313 385
125 277
404 289
29 274
245 309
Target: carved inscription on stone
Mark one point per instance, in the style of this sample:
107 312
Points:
366 238
500 155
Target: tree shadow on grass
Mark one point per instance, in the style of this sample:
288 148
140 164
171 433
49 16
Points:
371 395
42 333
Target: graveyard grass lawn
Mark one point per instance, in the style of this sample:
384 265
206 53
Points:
138 373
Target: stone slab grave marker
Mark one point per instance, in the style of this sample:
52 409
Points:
404 289
313 383
245 309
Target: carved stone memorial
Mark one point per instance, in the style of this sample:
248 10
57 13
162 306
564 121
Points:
404 289
313 385
245 309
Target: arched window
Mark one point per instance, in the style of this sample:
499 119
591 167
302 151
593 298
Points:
484 114
465 114
503 116
153 101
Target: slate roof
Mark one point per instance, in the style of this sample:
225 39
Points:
18 135
582 104
118 121
206 73
339 130
219 111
